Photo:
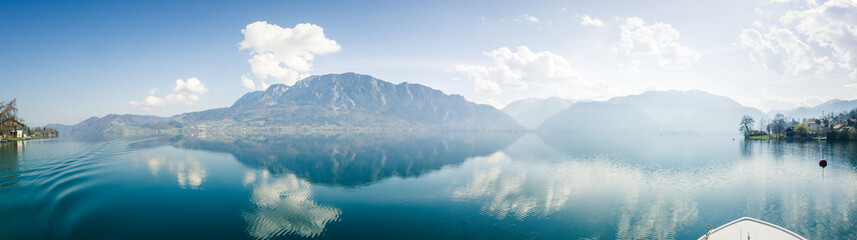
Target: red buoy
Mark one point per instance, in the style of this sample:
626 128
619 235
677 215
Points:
822 163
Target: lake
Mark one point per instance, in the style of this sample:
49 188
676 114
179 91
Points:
422 186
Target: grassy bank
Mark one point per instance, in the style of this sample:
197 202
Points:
764 137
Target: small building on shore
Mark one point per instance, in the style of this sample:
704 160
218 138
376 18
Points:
815 125
12 128
790 132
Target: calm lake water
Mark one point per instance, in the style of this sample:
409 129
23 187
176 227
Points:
427 186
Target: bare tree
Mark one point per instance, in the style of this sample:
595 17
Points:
746 125
8 114
778 125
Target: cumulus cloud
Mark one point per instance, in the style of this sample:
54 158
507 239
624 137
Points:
533 19
247 82
587 21
780 51
283 54
518 69
184 91
658 40
824 36
832 25
149 102
187 92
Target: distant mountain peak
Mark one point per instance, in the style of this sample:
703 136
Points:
832 101
833 106
330 101
338 99
669 110
531 112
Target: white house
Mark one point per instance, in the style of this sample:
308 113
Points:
19 133
815 125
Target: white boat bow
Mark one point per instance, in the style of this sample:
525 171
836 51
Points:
750 229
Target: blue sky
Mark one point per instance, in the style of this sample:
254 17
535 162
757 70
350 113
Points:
67 61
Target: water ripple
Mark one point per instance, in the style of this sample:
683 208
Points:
47 183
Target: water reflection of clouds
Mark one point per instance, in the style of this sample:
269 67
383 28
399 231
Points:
189 171
285 205
658 203
817 208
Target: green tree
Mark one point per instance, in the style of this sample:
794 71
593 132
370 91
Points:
746 125
802 130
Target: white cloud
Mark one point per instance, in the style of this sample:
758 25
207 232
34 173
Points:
782 52
632 68
824 36
149 102
533 19
483 77
517 69
587 21
832 25
184 91
284 54
187 92
247 82
192 85
659 40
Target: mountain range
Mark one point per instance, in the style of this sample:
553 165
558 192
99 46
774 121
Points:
531 112
339 101
659 111
834 106
355 101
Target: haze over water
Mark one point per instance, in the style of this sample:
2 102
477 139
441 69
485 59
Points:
426 186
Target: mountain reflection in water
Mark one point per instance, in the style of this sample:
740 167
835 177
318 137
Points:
352 159
422 186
